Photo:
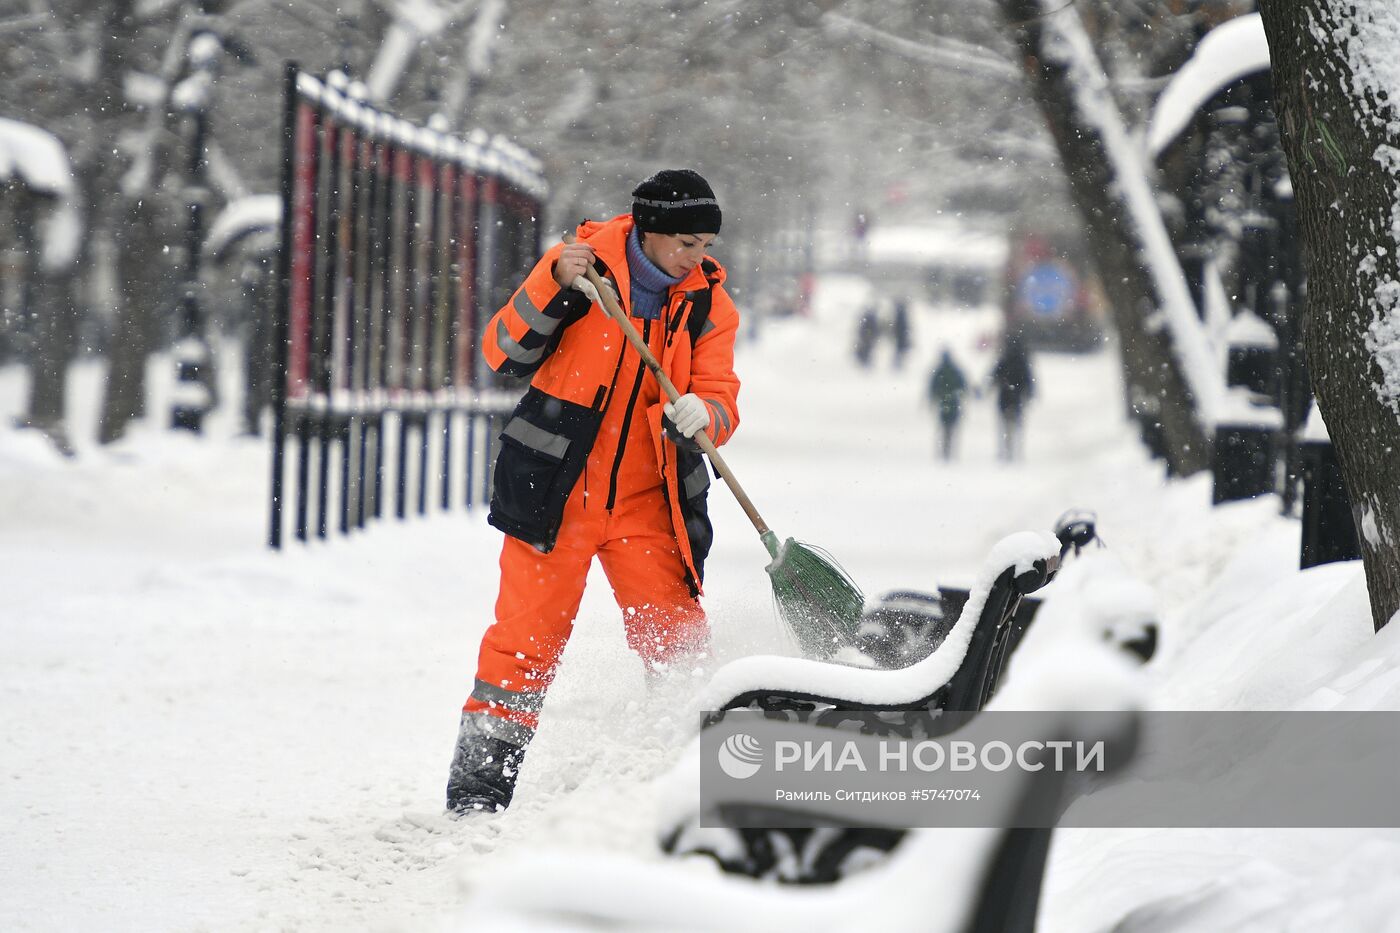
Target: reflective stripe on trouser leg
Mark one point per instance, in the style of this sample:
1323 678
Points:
518 710
644 566
539 598
495 727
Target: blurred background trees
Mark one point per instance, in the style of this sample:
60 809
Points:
805 114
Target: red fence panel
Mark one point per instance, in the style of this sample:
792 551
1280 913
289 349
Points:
398 242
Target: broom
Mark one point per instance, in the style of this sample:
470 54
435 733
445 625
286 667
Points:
817 600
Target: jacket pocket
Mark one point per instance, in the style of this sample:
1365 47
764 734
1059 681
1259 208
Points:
527 467
543 449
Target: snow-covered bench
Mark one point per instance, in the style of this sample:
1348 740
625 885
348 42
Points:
962 674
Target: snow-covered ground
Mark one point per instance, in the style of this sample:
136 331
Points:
202 734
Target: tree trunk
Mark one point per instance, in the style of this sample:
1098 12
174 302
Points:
1156 378
1346 173
53 318
145 288
143 280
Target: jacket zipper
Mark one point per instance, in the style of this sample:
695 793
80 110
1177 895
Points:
627 421
599 404
674 319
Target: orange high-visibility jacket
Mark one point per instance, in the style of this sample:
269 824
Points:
590 397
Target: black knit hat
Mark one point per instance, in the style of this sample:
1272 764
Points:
675 201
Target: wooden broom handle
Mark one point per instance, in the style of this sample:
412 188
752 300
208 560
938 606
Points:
610 305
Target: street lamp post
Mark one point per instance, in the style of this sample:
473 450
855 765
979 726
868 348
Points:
194 395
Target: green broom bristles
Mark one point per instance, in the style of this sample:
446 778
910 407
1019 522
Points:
818 601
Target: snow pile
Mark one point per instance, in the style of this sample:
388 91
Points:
243 217
919 888
40 160
1247 329
1093 601
935 246
1228 52
36 157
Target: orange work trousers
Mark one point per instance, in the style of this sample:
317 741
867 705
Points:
540 596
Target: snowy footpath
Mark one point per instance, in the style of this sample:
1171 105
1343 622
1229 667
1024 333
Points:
200 734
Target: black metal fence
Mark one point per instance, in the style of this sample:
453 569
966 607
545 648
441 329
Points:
398 243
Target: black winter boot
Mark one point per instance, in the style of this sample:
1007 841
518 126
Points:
483 773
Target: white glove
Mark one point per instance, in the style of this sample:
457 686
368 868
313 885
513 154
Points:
688 413
583 285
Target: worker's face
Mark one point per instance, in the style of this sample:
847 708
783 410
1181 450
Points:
676 253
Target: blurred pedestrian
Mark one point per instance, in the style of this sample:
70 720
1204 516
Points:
1014 384
899 331
867 331
946 387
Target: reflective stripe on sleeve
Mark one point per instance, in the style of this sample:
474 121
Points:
719 417
513 349
536 319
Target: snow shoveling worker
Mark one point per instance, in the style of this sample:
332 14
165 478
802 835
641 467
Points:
595 462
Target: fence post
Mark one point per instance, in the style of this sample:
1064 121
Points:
1243 455
284 289
1246 437
1329 527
